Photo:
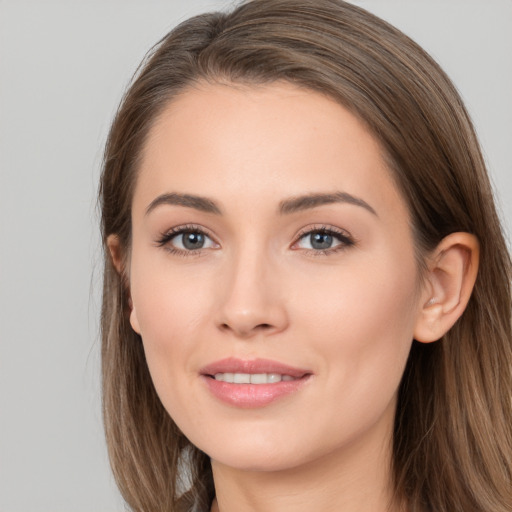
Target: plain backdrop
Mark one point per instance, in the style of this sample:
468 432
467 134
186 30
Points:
63 68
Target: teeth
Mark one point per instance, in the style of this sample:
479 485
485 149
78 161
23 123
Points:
259 378
252 378
242 378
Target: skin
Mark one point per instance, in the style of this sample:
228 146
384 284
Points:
259 289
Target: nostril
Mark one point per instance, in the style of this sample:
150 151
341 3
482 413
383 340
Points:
245 331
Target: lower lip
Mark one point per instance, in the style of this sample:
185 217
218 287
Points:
249 396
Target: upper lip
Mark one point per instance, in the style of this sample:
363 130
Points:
234 365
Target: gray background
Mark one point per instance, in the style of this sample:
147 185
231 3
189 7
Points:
63 68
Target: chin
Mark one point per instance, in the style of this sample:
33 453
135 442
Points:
254 454
258 462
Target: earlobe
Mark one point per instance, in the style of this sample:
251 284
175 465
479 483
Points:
134 322
452 271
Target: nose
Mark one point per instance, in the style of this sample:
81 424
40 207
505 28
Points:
251 299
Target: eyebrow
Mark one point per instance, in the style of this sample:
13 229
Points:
288 206
187 200
296 204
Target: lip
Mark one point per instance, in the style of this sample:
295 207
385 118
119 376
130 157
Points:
234 365
252 395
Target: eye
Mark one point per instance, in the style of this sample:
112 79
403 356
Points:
186 239
324 240
191 241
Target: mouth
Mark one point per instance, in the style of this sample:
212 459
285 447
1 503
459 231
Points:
250 384
253 378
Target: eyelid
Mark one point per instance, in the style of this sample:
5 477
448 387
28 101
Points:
165 238
345 238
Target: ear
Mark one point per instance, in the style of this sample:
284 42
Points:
116 253
452 271
134 321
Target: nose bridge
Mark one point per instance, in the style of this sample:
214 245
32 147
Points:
251 300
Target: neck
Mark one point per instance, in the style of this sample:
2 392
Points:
356 478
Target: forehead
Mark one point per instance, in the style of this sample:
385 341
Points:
255 143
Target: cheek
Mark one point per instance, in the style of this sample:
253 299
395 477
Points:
169 301
169 318
169 310
364 318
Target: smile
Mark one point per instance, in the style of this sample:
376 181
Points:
253 378
249 384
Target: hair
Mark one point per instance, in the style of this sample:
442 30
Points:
452 444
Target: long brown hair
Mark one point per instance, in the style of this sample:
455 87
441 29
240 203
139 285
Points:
452 447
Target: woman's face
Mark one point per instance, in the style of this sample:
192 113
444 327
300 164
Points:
272 276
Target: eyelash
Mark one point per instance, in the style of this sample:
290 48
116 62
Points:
166 237
345 239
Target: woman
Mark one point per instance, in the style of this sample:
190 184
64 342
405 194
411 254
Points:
307 291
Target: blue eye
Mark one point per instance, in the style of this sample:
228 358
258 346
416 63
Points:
186 240
190 240
321 240
324 240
